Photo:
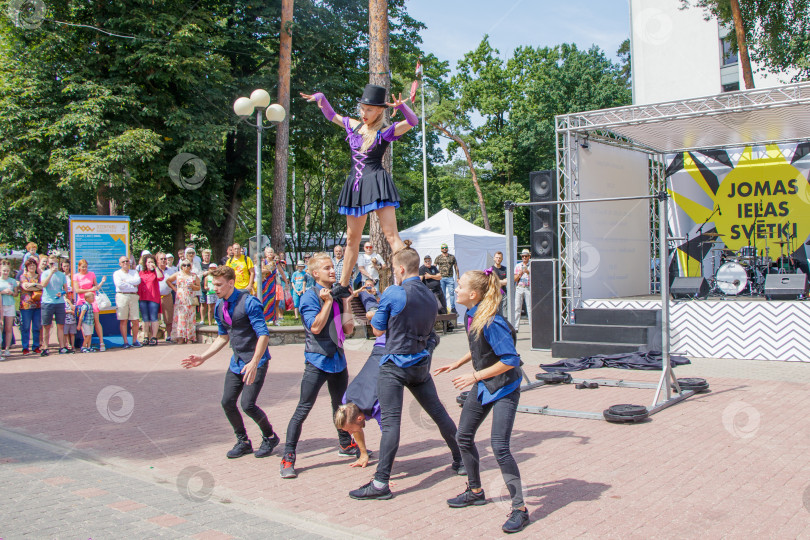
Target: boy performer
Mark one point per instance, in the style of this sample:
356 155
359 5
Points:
240 321
406 316
324 359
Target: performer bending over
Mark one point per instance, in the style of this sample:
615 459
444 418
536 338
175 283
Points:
406 315
323 355
240 321
369 187
360 402
492 351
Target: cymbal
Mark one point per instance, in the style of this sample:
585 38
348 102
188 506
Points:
713 234
711 242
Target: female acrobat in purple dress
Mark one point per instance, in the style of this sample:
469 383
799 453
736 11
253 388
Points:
369 187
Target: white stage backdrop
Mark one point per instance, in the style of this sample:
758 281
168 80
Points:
615 248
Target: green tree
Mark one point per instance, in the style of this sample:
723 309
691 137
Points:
777 31
514 103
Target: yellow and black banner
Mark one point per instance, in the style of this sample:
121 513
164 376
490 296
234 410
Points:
739 201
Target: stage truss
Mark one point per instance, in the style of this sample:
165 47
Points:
749 117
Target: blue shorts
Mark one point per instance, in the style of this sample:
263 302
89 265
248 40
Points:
296 299
149 310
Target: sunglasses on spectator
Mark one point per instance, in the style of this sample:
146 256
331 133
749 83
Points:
185 266
368 247
524 255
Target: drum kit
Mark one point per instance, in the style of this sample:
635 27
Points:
743 272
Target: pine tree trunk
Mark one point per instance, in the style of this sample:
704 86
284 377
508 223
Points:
379 74
279 218
742 45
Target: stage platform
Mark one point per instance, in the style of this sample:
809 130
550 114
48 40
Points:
738 327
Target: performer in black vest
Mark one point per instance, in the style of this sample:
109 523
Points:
360 402
324 359
497 389
406 316
240 322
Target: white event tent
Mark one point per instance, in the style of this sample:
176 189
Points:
473 246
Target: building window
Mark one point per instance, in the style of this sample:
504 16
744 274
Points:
733 87
729 56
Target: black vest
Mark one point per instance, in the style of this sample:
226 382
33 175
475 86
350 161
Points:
409 330
483 357
325 341
243 338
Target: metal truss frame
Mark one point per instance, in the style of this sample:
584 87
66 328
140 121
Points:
748 100
576 129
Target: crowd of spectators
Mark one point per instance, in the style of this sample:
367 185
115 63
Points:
155 288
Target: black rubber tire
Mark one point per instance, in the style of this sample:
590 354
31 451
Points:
623 419
693 383
625 409
462 397
554 377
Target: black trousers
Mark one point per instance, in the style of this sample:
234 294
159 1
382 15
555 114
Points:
390 388
311 384
234 385
503 418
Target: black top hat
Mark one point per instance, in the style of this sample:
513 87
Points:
373 95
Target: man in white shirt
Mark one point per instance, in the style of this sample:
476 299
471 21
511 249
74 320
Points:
370 263
126 300
523 294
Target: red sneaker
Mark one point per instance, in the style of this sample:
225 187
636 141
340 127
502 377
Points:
25 352
37 350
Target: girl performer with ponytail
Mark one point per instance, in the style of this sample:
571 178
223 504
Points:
497 378
369 187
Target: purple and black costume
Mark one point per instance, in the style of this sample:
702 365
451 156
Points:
368 186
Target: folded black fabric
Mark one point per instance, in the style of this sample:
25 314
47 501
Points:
649 361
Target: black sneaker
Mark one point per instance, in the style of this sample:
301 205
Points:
127 346
368 492
241 448
517 521
44 352
63 350
339 292
468 498
268 444
458 467
287 468
351 451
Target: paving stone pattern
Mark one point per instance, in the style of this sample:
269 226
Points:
731 463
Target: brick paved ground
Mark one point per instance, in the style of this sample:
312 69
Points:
730 463
52 493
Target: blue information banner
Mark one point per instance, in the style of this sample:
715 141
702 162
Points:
101 241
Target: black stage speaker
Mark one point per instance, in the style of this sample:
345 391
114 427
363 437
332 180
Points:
543 240
544 302
785 286
689 287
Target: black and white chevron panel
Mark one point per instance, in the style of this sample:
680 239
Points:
755 330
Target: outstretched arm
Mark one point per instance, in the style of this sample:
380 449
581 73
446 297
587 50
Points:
325 107
411 120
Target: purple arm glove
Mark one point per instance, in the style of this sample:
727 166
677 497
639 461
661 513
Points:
410 117
326 108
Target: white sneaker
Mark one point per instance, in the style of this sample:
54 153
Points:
6 353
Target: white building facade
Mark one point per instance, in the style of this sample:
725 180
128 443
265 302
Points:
677 54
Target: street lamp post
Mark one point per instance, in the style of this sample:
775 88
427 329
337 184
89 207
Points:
259 101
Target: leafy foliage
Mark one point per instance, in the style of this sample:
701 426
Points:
777 31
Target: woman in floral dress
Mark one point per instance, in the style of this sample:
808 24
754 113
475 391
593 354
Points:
184 284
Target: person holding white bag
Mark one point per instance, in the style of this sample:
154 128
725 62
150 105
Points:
83 282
